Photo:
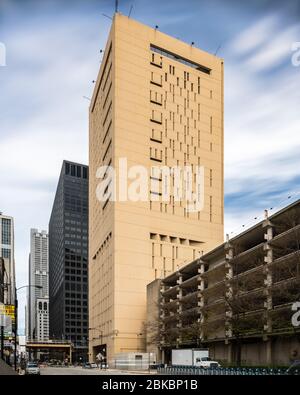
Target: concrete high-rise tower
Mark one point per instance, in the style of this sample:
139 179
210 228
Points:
68 259
157 102
37 321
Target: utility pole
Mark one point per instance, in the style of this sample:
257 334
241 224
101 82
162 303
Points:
16 317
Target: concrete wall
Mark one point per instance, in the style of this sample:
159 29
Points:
284 350
133 361
153 293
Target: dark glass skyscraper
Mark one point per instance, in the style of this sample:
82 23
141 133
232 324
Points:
68 259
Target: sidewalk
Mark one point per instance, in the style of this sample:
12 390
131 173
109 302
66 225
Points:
6 370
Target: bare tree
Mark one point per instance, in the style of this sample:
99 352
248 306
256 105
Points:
286 269
244 300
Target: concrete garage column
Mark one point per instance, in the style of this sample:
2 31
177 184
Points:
163 356
268 281
229 292
179 310
229 351
162 313
269 356
201 286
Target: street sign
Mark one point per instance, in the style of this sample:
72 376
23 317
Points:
8 310
7 318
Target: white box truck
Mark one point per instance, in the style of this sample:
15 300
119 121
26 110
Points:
193 357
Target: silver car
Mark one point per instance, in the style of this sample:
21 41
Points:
32 368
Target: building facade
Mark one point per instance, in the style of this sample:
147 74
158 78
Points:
2 283
68 259
157 102
7 253
42 319
240 299
38 298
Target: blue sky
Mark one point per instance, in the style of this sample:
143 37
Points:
53 54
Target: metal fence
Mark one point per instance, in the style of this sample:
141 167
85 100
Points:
187 370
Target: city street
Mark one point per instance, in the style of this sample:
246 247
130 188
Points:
74 371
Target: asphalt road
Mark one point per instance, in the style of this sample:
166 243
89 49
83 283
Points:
74 371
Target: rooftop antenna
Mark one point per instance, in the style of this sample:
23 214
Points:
266 214
107 16
130 11
117 6
217 50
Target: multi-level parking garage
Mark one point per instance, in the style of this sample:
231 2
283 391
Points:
239 299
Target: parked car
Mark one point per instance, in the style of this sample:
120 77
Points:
294 369
206 362
94 365
32 368
87 365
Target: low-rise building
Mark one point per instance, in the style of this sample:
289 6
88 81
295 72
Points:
239 300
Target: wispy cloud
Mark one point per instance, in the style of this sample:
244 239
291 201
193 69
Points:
51 62
262 120
255 36
276 50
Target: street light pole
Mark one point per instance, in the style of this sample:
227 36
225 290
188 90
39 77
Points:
16 318
101 338
101 333
16 330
